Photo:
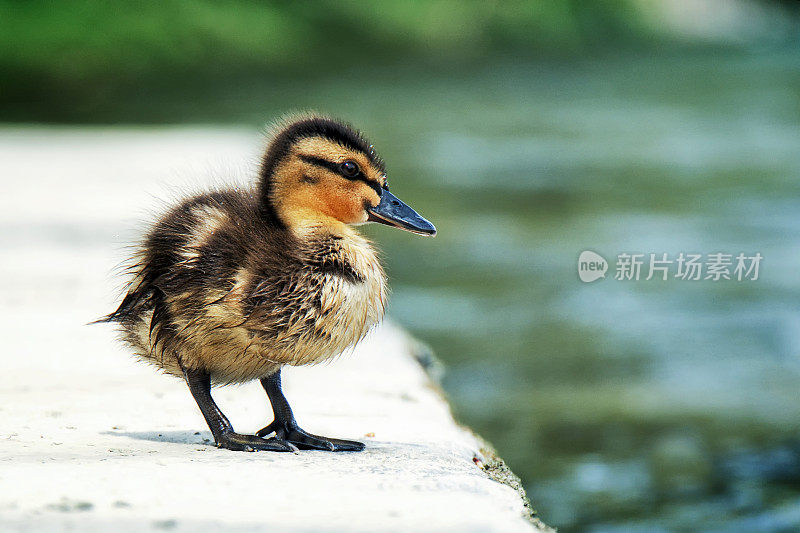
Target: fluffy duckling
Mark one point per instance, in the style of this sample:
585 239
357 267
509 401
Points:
232 285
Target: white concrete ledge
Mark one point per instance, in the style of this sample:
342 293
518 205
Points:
92 440
135 454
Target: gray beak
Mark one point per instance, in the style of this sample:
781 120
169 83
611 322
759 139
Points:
393 212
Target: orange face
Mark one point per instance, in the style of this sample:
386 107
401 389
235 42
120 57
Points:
323 183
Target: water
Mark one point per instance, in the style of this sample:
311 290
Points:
623 405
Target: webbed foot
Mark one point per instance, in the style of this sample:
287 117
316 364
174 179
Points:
252 443
291 433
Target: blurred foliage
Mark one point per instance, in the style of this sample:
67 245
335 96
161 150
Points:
57 54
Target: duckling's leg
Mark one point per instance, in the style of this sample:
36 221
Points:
200 384
285 426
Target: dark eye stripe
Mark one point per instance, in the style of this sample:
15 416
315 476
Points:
374 186
334 167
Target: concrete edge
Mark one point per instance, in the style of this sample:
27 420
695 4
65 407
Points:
487 458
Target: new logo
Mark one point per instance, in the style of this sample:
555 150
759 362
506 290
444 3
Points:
591 266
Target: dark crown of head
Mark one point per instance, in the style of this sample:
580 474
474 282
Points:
326 128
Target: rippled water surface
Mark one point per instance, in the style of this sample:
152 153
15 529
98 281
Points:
623 405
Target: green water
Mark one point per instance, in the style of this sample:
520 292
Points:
622 404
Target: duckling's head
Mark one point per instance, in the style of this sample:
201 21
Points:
320 173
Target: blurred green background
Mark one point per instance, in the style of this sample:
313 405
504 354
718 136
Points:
528 132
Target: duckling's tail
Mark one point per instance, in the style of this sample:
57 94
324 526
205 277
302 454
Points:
126 310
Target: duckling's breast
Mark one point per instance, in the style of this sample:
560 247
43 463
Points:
347 310
339 295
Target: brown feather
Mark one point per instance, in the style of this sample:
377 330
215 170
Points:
239 282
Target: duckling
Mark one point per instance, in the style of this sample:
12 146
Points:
232 285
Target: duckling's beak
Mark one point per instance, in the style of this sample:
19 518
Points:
393 212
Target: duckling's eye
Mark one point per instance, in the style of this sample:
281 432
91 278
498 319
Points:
349 169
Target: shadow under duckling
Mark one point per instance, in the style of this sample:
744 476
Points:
232 285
